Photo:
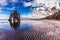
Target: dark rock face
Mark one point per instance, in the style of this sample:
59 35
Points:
15 16
14 20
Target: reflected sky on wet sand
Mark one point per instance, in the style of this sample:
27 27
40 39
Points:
6 25
30 30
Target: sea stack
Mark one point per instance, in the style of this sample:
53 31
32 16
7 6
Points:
14 17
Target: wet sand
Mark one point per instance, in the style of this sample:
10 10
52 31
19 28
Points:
41 30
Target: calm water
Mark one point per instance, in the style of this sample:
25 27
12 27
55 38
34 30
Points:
30 30
23 25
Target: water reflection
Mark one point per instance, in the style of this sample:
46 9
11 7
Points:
22 25
30 30
14 25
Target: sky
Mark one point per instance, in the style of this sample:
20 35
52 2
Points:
8 6
24 7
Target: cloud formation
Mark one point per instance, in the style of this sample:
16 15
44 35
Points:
4 16
41 5
37 3
3 2
12 8
14 1
26 4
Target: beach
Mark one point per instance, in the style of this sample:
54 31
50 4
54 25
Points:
31 30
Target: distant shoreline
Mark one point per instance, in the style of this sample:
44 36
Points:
33 19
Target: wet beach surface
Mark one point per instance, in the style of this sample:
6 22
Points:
30 30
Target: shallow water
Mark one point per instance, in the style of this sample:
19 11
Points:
30 30
6 25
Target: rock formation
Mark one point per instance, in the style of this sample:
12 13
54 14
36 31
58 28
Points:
14 17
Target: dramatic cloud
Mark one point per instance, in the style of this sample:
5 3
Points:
48 3
4 16
41 5
3 2
2 8
26 4
37 3
14 1
12 8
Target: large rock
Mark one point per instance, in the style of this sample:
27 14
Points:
15 16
